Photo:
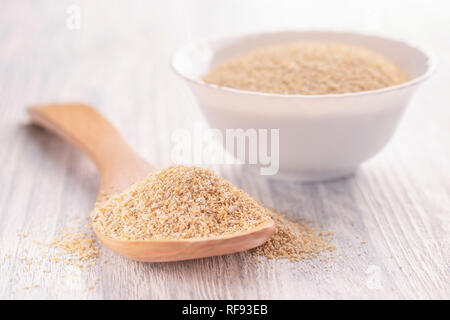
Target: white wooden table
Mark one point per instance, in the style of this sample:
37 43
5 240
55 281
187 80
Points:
118 61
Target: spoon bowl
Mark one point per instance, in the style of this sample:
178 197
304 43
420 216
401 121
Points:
120 166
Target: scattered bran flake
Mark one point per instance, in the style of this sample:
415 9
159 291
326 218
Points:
308 68
293 241
179 202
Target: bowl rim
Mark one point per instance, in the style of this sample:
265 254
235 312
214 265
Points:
430 65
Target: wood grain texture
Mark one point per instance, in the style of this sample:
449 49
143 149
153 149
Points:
118 61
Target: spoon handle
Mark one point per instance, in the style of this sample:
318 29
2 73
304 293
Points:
89 131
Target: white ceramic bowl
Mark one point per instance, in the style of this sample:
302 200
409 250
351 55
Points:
322 137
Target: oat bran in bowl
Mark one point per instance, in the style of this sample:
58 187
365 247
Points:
335 97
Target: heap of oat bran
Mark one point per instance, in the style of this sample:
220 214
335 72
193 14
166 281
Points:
308 68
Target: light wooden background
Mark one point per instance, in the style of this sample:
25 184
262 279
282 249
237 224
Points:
118 61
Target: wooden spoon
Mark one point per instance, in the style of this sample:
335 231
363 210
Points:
120 166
